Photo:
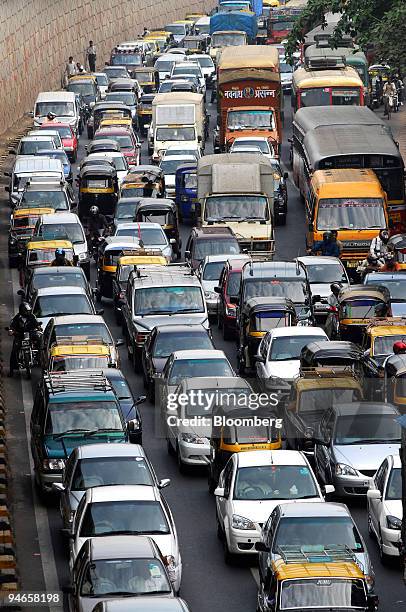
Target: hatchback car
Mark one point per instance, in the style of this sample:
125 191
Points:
55 276
205 241
249 488
209 273
56 301
127 140
99 465
68 137
127 510
151 234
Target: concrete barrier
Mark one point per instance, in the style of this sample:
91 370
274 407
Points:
38 36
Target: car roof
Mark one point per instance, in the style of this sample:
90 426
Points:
150 603
121 493
269 457
66 289
250 138
358 408
51 271
109 450
79 318
121 547
199 354
308 260
216 258
298 331
174 329
309 509
61 217
213 382
141 224
182 157
35 137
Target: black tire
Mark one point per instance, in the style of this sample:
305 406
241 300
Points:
282 220
227 333
181 466
170 448
27 365
229 558
211 482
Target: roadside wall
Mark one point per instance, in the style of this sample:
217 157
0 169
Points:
37 37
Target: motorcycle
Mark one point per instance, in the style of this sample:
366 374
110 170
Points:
28 352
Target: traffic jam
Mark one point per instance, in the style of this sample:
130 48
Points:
207 244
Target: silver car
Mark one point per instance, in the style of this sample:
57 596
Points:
106 464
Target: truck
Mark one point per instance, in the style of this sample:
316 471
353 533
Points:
281 23
177 117
231 29
236 190
250 99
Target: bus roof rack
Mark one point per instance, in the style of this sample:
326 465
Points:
321 62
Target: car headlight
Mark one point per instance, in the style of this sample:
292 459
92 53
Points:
210 295
83 256
191 438
345 470
53 464
393 522
240 522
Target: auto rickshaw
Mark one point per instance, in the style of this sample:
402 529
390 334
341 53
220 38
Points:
41 253
394 382
115 120
338 354
233 437
195 44
258 316
147 77
311 394
186 193
164 212
99 112
22 225
374 71
98 185
145 182
125 265
111 250
79 355
144 112
357 306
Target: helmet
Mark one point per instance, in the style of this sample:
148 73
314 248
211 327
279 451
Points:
384 236
25 309
335 288
94 210
399 347
59 253
51 116
327 236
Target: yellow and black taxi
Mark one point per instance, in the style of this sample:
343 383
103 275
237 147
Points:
110 252
73 354
41 252
22 225
394 381
144 111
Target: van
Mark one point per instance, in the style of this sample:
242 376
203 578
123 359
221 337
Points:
63 104
27 167
350 201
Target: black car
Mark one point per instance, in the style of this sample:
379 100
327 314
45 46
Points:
210 241
127 403
165 339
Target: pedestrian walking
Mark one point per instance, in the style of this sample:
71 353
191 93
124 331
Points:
70 70
91 56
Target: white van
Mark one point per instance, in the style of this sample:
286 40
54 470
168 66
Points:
28 167
62 103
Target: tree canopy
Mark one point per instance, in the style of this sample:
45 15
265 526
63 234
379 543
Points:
381 23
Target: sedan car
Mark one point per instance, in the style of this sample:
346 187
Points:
384 498
249 488
396 284
164 340
169 165
117 566
351 443
56 301
127 140
57 276
98 465
151 234
127 510
143 604
69 139
209 273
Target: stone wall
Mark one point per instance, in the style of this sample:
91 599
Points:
37 37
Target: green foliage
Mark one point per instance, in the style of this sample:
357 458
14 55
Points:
380 22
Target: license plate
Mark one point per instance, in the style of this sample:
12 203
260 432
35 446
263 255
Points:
352 264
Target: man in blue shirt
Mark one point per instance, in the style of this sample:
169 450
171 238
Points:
327 246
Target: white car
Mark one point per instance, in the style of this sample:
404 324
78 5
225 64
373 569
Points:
253 141
118 159
29 145
209 272
207 65
56 301
102 83
169 167
190 68
151 234
49 132
277 360
251 485
187 148
127 509
385 506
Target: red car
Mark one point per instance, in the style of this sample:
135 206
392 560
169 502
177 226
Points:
126 138
228 288
69 140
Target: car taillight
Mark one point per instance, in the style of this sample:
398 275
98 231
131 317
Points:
141 336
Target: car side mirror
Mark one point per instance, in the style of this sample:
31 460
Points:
30 113
21 292
329 489
261 547
259 358
374 494
165 482
172 241
217 289
140 400
7 173
100 311
67 533
68 589
199 139
187 254
219 492
58 487
12 152
234 300
119 342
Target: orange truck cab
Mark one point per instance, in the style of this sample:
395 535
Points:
249 100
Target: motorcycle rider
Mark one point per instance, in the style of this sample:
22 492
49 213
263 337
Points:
24 321
389 91
379 244
327 246
390 265
370 264
399 347
97 221
399 88
60 259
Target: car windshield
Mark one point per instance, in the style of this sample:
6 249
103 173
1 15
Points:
132 516
124 140
181 341
383 345
318 531
239 207
122 96
175 150
394 486
233 285
30 147
108 471
330 273
289 347
168 300
126 211
60 109
74 279
54 305
175 133
192 368
149 236
102 80
215 246
367 429
285 68
202 405
274 482
127 59
86 88
117 73
63 231
323 593
227 40
290 288
212 271
251 119
64 131
194 70
343 213
205 62
83 331
265 321
361 309
169 166
176 29
110 577
89 416
44 199
55 154
313 402
119 163
262 145
397 288
80 362
164 66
